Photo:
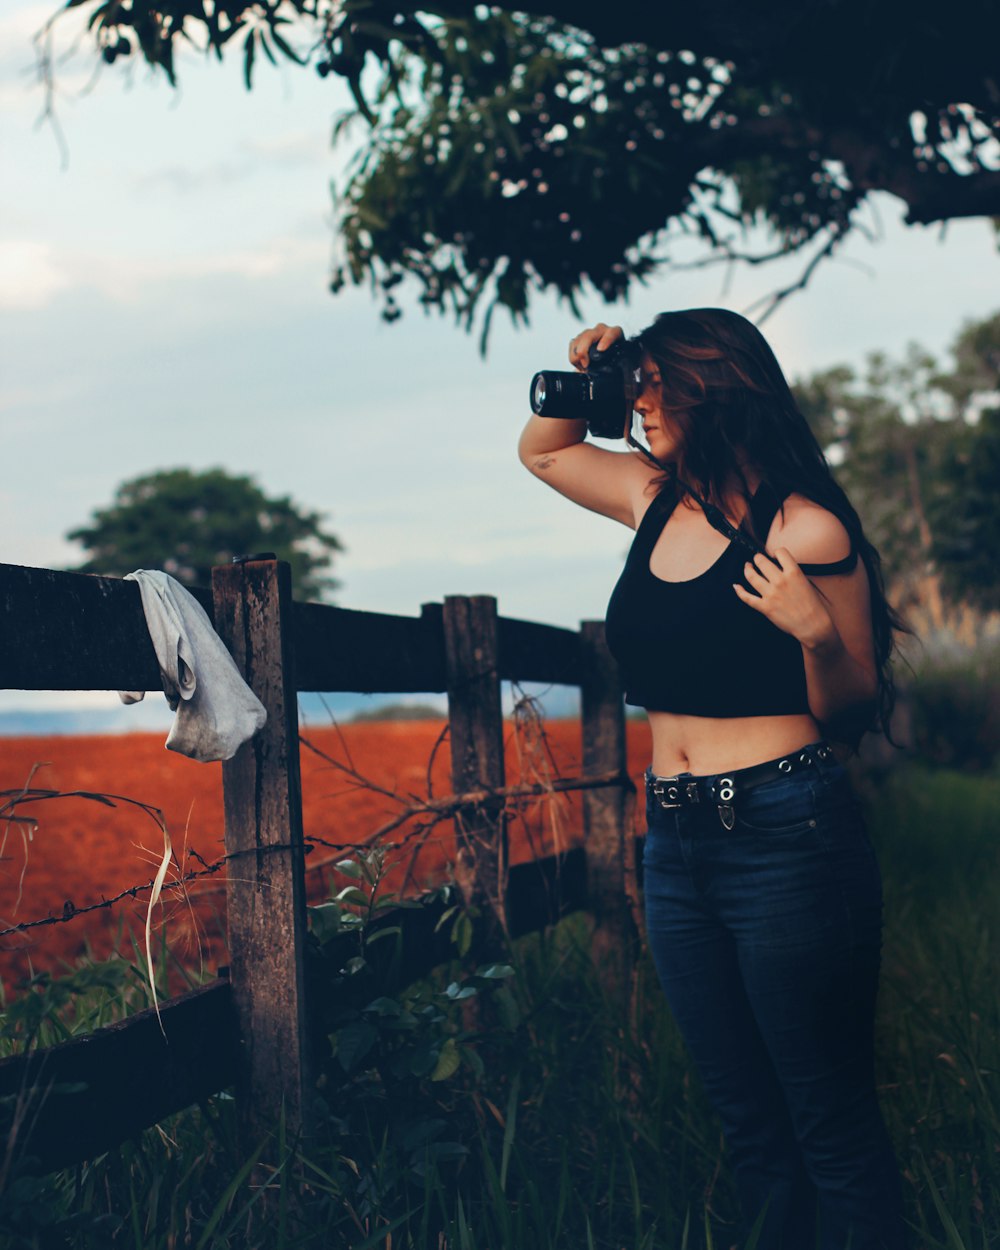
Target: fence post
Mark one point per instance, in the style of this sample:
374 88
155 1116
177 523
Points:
610 848
265 889
471 646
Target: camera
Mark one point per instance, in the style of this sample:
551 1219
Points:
602 396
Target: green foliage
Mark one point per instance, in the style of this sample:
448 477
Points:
509 153
184 522
580 1125
954 711
522 156
388 1049
400 711
43 1008
890 441
977 359
966 520
939 1027
918 467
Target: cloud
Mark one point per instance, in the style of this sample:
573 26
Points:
32 273
185 180
305 149
29 275
126 279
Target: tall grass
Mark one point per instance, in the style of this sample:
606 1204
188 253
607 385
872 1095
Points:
570 1121
938 835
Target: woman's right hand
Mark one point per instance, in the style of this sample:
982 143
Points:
599 336
616 484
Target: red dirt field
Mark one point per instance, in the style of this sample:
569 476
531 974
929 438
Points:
83 851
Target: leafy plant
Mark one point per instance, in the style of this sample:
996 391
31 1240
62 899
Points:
400 1064
513 1105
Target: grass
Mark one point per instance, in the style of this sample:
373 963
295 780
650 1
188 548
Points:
937 834
571 1122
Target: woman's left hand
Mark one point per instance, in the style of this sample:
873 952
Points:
786 597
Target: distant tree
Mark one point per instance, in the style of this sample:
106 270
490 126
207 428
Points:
548 144
920 458
976 376
400 711
967 522
184 522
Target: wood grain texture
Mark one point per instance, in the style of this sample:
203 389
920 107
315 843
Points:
603 731
70 631
369 652
471 643
530 651
265 890
127 1077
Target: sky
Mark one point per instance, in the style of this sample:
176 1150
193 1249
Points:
164 258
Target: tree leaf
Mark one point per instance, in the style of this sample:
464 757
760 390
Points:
324 921
448 1061
354 1041
461 933
351 894
495 972
286 48
458 992
249 49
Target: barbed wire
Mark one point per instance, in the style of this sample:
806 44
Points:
437 809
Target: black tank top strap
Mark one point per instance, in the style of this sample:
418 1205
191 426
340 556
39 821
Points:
764 508
654 519
847 565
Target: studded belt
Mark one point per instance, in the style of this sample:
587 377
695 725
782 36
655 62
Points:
723 789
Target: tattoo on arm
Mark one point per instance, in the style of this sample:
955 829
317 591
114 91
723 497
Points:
545 462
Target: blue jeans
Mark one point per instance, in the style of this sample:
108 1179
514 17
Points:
767 940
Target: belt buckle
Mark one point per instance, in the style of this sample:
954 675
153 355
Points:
661 788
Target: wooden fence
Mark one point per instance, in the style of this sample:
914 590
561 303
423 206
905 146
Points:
65 631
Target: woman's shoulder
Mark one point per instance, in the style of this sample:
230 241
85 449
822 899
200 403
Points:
812 533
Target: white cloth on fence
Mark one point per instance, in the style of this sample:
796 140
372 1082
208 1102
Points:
216 711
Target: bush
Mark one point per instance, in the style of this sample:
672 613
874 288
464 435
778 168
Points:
954 707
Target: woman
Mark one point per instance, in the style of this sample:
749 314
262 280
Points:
762 893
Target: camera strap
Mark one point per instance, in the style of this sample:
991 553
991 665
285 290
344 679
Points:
715 516
717 519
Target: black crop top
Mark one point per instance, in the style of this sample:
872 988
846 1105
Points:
693 647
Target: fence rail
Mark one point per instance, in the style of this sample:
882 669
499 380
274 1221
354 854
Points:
70 632
65 631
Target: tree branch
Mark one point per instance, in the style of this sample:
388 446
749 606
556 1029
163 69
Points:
870 165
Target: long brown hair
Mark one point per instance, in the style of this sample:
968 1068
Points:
724 387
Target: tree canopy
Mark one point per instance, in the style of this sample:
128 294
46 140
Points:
569 148
917 447
184 522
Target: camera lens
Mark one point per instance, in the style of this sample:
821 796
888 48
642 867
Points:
538 393
597 398
555 394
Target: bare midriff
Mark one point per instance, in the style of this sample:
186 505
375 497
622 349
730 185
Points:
704 745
